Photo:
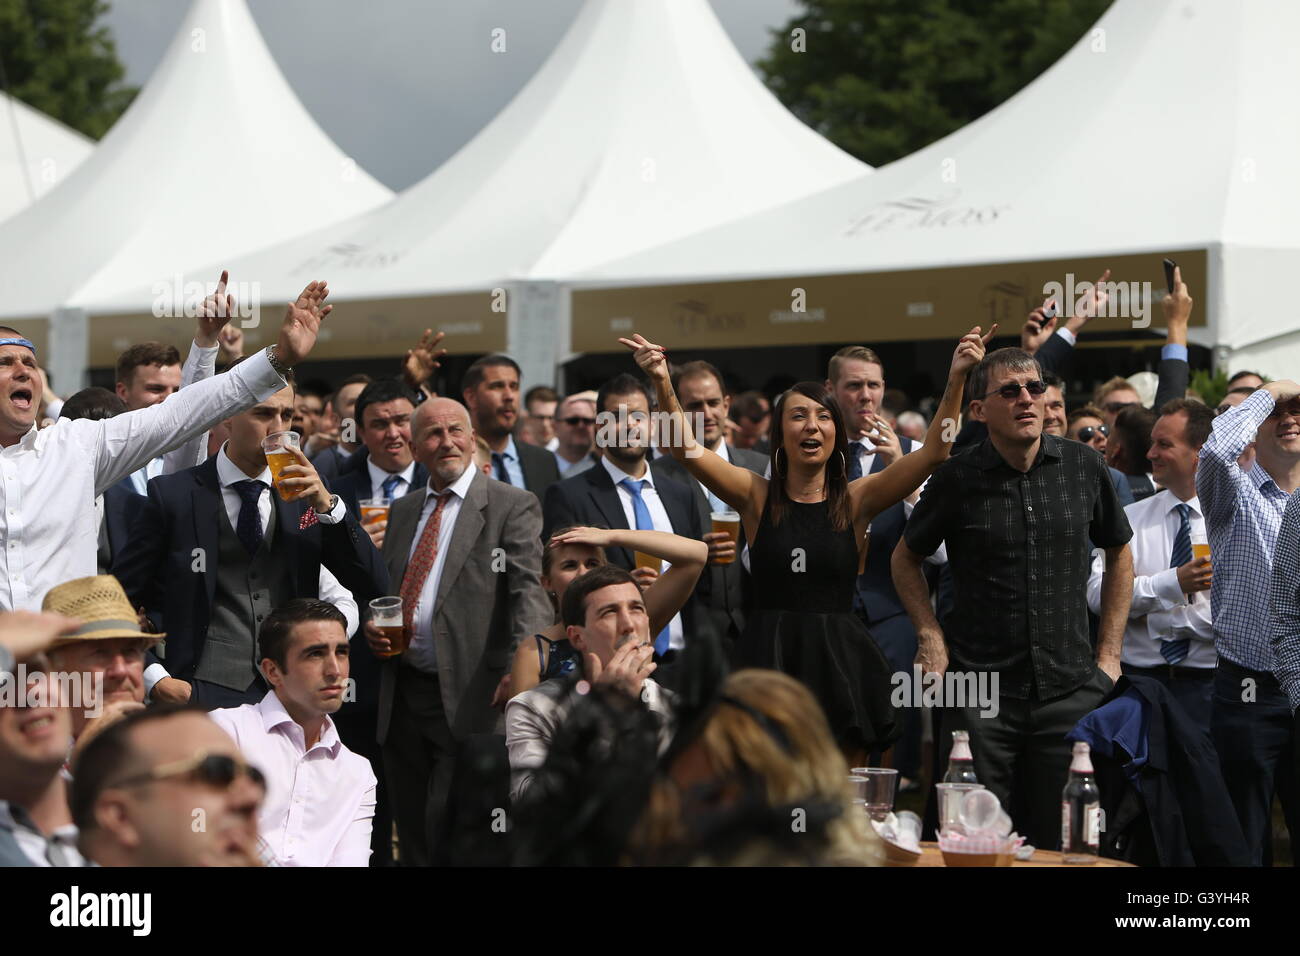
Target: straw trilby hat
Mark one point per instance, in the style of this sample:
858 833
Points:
102 606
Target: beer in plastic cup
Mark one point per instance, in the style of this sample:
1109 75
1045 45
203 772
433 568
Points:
278 458
1200 545
728 522
372 508
386 614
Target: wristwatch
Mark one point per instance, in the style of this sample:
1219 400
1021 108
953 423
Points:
334 503
273 357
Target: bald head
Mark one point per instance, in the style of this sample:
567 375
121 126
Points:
443 439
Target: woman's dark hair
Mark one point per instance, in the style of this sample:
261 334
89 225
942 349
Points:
1133 428
837 481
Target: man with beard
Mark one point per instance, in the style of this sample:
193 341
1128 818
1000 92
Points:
491 392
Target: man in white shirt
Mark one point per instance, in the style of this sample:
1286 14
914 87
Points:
320 796
49 479
1170 635
606 621
465 558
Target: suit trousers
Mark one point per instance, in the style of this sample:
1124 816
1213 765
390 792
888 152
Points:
1022 756
419 757
1255 739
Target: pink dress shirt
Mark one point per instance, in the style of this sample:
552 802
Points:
320 802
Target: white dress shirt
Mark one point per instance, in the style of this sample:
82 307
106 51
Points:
1160 608
422 653
658 517
50 477
330 590
378 476
36 846
533 716
320 801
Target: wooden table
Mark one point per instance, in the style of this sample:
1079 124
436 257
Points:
930 856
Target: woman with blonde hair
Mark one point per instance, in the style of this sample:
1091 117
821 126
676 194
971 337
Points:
758 779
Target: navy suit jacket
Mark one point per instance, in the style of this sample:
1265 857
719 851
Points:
590 500
353 481
121 505
876 583
161 570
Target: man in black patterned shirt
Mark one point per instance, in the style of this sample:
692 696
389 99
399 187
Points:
1017 511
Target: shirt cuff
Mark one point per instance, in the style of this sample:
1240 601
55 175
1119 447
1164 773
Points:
1069 336
335 515
1165 585
152 675
1174 350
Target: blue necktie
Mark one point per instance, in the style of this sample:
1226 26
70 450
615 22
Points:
854 463
1175 651
643 523
499 461
249 529
390 485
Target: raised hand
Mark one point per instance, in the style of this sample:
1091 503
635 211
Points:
1038 328
422 361
599 537
1094 303
652 359
302 323
1177 305
214 312
626 671
885 440
232 342
970 351
26 633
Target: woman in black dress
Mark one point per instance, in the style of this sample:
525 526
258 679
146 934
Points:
806 528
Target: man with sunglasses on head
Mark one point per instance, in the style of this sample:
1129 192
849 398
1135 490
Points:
575 433
320 798
1087 426
166 786
1251 721
1016 513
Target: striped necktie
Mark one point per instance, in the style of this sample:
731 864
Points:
1175 651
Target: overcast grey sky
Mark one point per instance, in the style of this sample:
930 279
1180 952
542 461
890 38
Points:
400 85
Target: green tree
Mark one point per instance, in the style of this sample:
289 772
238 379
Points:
883 78
55 59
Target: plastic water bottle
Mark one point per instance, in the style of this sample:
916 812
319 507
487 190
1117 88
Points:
1081 810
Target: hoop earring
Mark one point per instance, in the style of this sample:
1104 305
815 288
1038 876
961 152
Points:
844 467
776 462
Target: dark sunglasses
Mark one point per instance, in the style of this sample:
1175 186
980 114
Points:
215 770
1011 391
575 421
1086 433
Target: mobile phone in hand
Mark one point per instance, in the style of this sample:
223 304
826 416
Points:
1170 266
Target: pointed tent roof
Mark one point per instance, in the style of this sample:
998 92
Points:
215 157
645 124
37 152
1163 128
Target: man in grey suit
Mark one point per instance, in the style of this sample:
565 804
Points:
724 590
467 550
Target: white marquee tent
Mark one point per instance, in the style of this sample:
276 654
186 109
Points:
36 154
644 125
215 157
1169 128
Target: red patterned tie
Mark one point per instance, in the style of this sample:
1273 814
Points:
421 563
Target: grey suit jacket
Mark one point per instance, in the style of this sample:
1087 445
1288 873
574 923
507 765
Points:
487 599
724 587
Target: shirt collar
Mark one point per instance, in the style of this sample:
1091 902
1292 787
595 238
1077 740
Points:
378 475
228 473
1259 478
510 451
619 475
987 457
1172 501
274 715
723 451
459 487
